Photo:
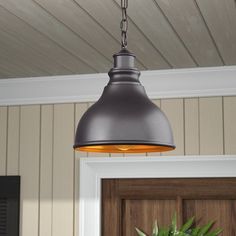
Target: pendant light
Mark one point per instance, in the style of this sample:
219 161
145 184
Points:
124 119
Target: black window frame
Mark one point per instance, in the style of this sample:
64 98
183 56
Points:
10 200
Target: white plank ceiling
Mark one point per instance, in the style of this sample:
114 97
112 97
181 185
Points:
58 37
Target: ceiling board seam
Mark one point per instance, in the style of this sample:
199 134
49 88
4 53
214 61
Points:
27 63
102 27
3 74
209 32
75 33
8 74
19 65
4 71
75 56
175 32
35 49
38 52
149 41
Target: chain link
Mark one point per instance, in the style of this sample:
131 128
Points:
124 23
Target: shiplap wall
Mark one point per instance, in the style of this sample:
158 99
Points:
36 143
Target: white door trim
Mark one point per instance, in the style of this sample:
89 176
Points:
93 170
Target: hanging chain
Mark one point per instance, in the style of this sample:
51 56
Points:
124 23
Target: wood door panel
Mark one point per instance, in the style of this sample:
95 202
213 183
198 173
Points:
148 209
222 211
130 203
191 188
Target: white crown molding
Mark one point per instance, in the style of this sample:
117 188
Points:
93 170
173 83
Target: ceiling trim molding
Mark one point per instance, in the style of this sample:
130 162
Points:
173 83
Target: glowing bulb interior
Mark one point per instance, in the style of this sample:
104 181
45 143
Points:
123 147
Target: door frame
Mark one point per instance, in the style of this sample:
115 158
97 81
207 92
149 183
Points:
93 170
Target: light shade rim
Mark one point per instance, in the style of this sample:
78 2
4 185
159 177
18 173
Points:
151 146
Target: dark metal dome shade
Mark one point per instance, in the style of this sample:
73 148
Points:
124 119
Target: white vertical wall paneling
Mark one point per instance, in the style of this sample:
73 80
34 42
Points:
13 140
3 140
38 146
173 108
29 169
46 166
158 103
211 126
229 125
191 129
80 109
63 170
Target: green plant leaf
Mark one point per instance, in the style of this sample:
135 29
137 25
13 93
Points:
140 233
187 225
214 233
155 229
163 232
195 231
186 230
174 224
205 228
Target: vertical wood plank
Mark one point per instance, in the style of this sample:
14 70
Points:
229 125
173 109
80 109
179 211
97 154
211 126
13 140
29 169
46 155
191 129
3 140
63 170
158 103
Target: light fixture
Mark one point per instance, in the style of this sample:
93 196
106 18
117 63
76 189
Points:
124 119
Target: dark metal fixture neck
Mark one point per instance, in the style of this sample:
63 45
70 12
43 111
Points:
124 59
124 70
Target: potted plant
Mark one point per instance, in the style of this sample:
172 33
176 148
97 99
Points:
186 230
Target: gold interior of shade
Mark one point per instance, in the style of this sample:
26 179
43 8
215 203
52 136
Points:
125 148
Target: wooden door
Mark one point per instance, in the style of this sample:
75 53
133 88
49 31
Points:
130 203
